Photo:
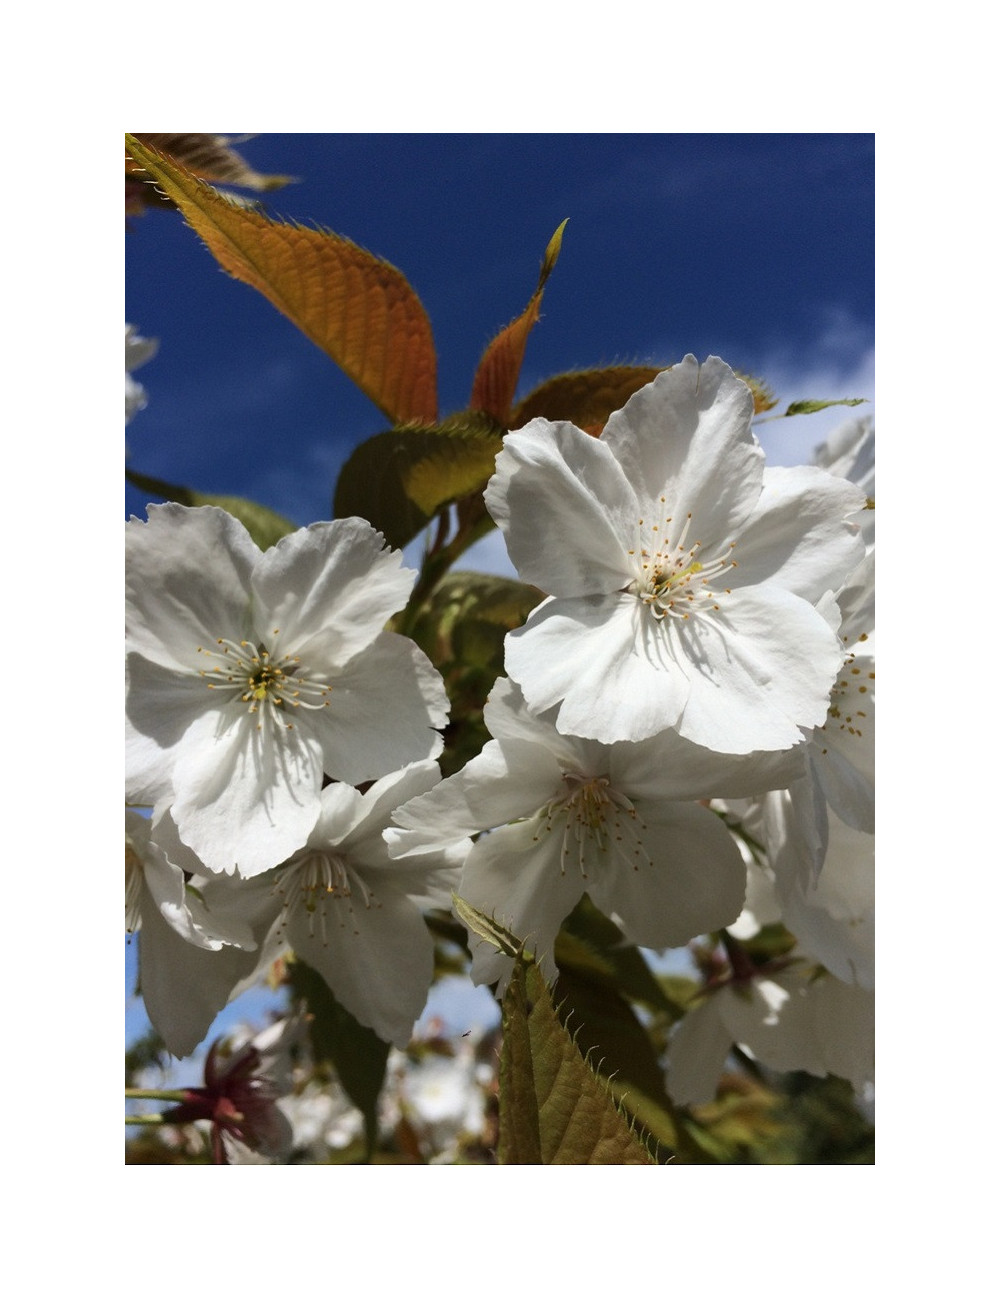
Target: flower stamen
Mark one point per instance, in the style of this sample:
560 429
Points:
595 814
317 883
673 579
251 675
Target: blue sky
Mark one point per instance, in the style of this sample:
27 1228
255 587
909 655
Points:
759 248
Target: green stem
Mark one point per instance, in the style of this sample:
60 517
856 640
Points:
144 1119
156 1094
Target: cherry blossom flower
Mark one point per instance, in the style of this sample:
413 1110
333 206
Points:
569 815
251 675
348 911
682 575
793 1019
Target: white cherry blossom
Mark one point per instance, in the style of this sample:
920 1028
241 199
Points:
569 815
683 576
252 674
793 1019
348 911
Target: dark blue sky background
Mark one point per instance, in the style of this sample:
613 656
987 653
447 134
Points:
759 248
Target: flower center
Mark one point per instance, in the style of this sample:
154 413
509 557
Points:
268 686
672 579
597 821
324 887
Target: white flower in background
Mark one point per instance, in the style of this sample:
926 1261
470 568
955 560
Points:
838 782
350 912
683 575
439 1088
251 674
620 822
323 1118
137 351
833 918
793 1019
189 958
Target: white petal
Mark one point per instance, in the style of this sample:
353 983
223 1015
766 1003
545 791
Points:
567 512
160 706
667 766
692 882
378 961
761 669
334 581
504 783
796 830
246 799
187 582
857 602
379 802
845 1027
774 1020
184 987
514 874
799 535
384 708
849 791
584 652
686 437
697 1054
834 920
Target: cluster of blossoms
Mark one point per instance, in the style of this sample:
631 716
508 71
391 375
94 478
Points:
701 663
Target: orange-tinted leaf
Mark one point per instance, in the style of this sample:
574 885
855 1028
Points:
210 157
584 397
360 310
763 398
496 377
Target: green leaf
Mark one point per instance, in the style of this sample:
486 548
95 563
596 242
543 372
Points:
600 972
265 526
399 479
464 598
461 628
486 927
810 407
357 1053
606 1029
554 1108
592 946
